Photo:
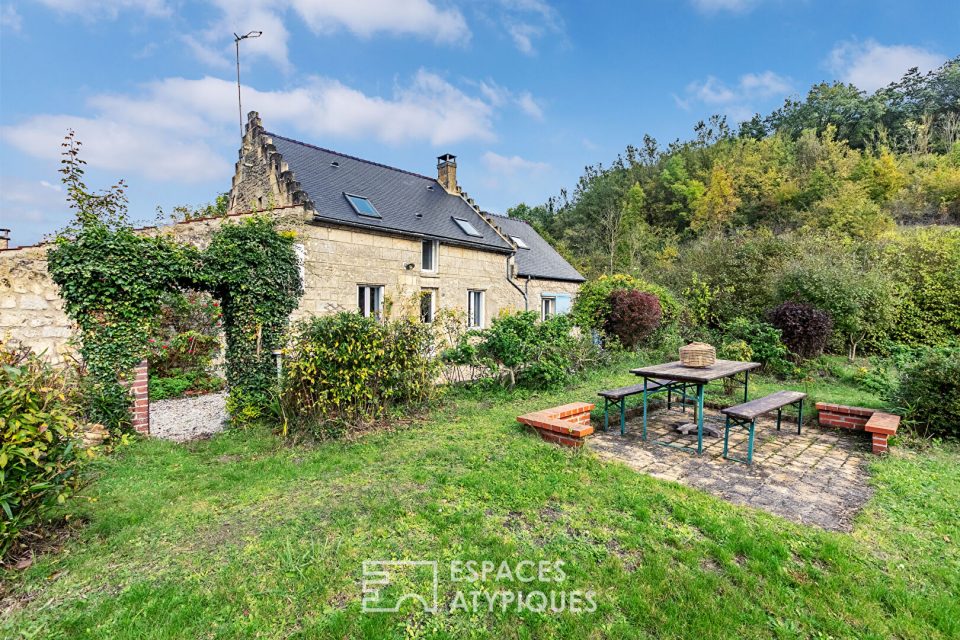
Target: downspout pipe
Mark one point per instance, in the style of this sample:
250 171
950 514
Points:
526 305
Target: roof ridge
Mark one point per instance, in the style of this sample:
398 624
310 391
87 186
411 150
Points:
347 155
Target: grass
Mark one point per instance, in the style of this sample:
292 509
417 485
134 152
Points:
244 536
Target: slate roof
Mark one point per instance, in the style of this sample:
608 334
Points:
541 260
409 203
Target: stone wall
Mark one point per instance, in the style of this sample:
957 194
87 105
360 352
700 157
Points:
31 312
336 262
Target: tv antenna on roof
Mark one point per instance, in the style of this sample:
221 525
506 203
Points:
236 40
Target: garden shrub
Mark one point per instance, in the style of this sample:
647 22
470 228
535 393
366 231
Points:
592 305
928 395
633 316
734 350
859 296
518 350
346 371
804 329
926 262
39 462
764 342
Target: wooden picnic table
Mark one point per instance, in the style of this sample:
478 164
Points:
698 376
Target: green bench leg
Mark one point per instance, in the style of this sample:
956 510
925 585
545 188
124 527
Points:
779 413
644 434
606 414
726 436
623 416
750 443
799 416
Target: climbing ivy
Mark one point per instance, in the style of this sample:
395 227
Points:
112 280
253 270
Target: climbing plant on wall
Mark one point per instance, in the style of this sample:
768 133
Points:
254 272
112 281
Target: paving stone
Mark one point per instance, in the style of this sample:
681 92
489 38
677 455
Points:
819 477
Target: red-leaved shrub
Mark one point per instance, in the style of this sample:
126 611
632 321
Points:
804 329
633 316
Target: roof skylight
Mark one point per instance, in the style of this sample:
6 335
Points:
520 243
362 205
467 228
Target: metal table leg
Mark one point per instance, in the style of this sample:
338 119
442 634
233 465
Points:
700 418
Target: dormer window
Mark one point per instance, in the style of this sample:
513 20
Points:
362 206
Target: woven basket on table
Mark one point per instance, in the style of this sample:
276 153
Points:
698 354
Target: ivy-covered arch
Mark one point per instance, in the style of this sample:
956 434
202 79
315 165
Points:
112 279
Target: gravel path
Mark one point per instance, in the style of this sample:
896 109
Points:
182 419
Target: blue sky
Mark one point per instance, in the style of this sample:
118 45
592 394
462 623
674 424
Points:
524 92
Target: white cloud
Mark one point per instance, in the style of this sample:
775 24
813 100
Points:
364 18
734 100
870 65
530 106
177 129
733 6
367 17
10 19
511 165
108 8
528 21
764 84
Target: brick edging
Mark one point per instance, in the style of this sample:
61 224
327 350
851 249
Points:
567 425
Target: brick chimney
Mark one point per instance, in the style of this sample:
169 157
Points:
447 173
4 238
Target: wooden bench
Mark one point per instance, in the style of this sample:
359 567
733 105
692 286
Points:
746 414
882 426
618 398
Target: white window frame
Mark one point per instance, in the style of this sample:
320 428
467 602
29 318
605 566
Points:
545 302
368 310
435 254
432 293
476 316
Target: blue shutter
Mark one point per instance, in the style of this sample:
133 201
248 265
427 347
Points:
563 304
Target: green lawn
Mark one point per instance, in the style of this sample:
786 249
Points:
243 536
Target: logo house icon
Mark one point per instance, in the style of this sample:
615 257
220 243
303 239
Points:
380 574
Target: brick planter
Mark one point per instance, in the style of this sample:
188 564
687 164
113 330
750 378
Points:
567 425
881 425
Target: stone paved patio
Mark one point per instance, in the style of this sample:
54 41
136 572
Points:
817 478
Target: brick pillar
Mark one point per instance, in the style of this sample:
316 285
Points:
141 401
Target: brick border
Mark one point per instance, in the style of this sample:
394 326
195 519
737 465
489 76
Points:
567 425
877 423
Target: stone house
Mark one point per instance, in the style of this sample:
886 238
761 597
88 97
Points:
371 238
378 239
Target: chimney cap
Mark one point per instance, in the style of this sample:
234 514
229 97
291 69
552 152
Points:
447 157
